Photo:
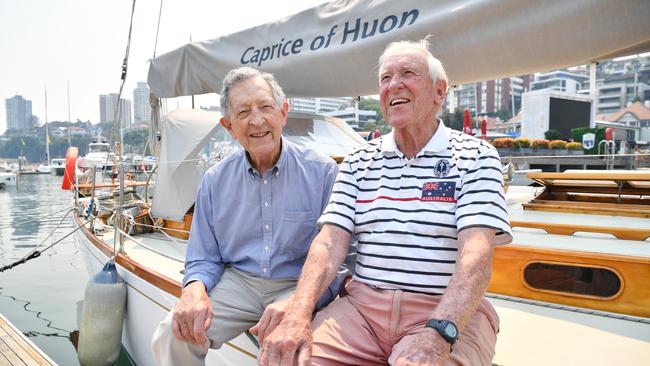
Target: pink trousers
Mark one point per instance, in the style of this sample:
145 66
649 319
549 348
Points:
365 327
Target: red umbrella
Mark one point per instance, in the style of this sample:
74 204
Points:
467 123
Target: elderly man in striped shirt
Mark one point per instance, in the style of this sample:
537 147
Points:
427 206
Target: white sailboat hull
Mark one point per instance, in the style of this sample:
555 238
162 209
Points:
7 179
146 306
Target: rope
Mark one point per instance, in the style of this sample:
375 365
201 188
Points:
36 253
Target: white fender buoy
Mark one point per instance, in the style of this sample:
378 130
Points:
102 318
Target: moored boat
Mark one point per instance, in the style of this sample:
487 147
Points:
58 166
151 258
573 277
151 262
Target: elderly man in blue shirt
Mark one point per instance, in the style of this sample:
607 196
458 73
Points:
254 219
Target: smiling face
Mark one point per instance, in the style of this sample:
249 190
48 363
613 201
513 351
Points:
407 94
256 121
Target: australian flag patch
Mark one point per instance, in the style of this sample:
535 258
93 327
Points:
439 191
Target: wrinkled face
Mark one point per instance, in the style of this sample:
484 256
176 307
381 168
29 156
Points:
255 120
407 94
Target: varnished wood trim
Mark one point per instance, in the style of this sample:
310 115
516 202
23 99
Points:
573 264
510 260
565 229
593 210
165 283
614 175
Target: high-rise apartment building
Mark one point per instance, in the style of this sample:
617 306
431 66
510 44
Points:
141 107
490 96
107 105
560 80
319 105
19 114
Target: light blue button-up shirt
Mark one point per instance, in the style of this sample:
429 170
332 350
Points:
261 225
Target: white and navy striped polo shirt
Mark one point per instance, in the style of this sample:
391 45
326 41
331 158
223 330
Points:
406 214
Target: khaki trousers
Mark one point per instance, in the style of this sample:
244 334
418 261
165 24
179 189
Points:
238 301
366 326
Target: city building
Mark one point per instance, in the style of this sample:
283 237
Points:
141 107
560 80
621 82
348 115
490 97
618 91
319 105
107 105
548 109
636 116
19 114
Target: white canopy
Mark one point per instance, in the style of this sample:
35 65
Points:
183 134
332 49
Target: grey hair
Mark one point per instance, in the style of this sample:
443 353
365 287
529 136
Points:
436 70
238 75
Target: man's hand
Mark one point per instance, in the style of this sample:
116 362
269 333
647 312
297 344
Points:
192 314
289 344
424 348
272 316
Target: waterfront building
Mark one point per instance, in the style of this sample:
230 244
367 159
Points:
107 105
619 91
560 80
491 96
319 105
348 115
141 107
19 114
637 118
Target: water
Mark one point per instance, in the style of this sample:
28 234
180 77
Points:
43 296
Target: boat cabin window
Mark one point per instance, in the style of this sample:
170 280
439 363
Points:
572 280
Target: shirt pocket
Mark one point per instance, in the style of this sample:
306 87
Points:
298 231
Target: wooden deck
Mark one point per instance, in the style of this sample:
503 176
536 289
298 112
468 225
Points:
16 349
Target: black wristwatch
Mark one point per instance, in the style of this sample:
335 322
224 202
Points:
446 328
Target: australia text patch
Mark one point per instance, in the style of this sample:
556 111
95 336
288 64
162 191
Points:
439 191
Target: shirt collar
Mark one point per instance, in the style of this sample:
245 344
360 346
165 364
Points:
279 165
439 141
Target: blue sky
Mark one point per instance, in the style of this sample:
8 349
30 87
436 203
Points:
83 42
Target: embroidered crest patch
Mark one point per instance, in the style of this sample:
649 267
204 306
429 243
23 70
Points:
439 191
441 168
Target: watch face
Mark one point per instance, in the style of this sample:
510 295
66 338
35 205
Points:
451 330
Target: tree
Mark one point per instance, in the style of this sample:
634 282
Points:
35 121
552 135
371 104
453 120
503 114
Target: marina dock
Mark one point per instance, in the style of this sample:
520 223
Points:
16 349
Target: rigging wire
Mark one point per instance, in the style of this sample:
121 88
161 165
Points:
35 253
125 63
155 46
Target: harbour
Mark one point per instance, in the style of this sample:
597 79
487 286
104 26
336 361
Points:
93 260
42 296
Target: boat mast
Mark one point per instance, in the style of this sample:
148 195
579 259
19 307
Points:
47 133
